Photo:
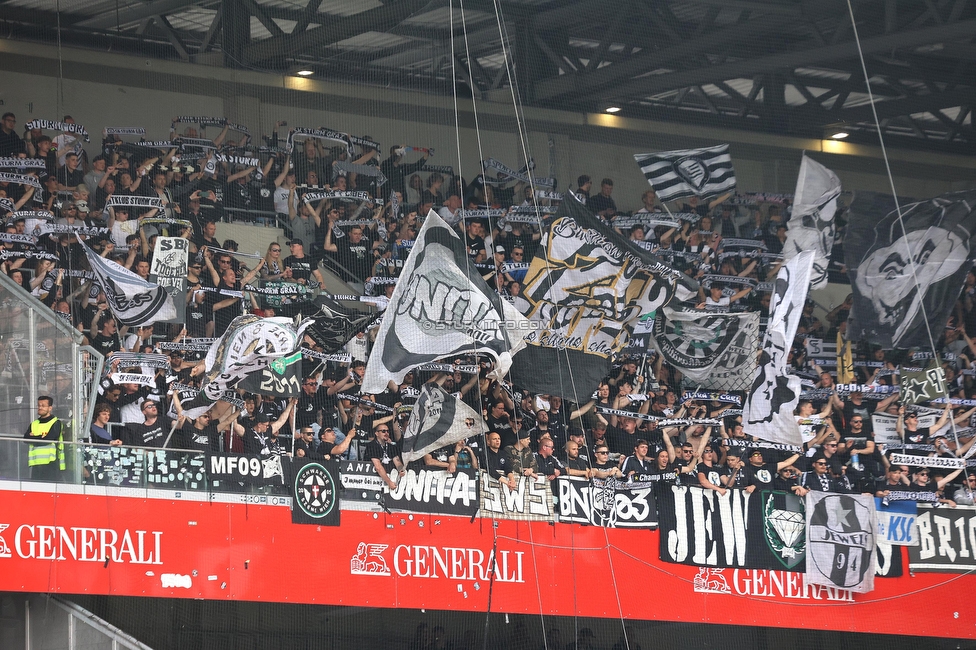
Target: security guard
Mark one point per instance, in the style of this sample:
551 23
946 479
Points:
46 459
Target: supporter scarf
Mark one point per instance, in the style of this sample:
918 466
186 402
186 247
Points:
337 195
124 130
507 173
753 198
446 367
955 401
365 402
930 497
20 179
480 214
440 169
712 396
866 388
319 134
371 171
255 256
18 238
125 200
354 222
172 222
394 206
64 228
157 144
709 279
23 163
196 143
31 255
529 214
133 359
246 161
322 356
627 221
927 461
735 442
64 127
193 345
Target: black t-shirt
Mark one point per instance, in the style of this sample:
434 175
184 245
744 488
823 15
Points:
476 246
385 453
301 267
358 258
503 427
918 437
497 463
713 474
106 344
138 434
641 468
308 407
761 476
621 442
206 439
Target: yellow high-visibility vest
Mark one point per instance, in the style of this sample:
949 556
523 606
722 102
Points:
47 452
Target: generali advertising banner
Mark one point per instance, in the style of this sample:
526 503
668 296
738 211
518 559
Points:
125 546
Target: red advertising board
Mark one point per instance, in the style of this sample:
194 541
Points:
127 546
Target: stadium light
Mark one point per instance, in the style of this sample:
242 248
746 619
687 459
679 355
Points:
305 73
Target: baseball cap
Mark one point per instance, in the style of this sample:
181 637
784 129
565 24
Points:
575 431
259 418
523 434
499 249
296 241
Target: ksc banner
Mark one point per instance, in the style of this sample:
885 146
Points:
946 540
896 522
606 503
315 492
760 530
436 491
841 530
251 469
531 499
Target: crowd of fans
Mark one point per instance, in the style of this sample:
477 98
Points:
364 236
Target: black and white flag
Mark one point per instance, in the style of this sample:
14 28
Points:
715 351
438 419
584 292
134 301
768 411
922 385
688 172
811 225
334 325
281 378
891 301
841 541
442 308
169 264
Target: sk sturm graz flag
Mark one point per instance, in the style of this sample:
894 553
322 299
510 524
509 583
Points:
438 419
281 378
716 351
334 324
248 346
315 492
840 541
134 301
768 411
811 225
441 307
923 385
938 237
688 172
585 290
169 272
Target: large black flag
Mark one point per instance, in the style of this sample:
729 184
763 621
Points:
334 324
584 292
891 301
314 491
438 419
281 378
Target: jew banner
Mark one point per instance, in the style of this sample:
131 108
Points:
811 224
608 503
945 540
134 301
438 419
169 272
899 277
768 411
841 541
443 308
688 172
923 385
529 500
436 491
758 530
715 351
584 292
314 491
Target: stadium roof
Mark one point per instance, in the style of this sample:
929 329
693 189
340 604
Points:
775 66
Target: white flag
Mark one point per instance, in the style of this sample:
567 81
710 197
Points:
134 301
768 411
438 419
688 172
441 307
811 225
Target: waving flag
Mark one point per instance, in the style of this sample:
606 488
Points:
438 419
688 172
134 301
811 225
441 307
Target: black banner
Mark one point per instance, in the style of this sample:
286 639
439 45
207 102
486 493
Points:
250 469
759 530
436 491
608 503
314 491
945 540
